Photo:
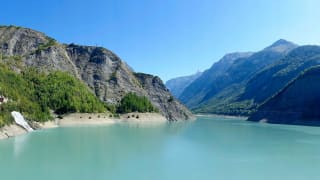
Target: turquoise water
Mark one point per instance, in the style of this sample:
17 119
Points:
209 148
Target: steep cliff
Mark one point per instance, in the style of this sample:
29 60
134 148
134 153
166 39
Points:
105 73
297 103
162 98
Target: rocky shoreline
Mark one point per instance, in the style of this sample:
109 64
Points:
83 119
11 131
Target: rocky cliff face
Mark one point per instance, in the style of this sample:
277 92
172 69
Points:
297 103
29 48
162 98
105 73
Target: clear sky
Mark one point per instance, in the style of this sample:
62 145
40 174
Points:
169 38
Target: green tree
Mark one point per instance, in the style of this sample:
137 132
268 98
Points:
134 103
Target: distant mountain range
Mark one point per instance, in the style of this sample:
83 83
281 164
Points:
177 85
244 83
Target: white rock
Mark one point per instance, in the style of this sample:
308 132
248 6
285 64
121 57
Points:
18 118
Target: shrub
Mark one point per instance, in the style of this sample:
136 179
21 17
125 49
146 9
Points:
134 103
170 99
51 42
33 94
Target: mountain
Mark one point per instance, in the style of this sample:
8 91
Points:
106 75
297 103
282 46
266 82
37 94
197 91
217 90
177 85
274 77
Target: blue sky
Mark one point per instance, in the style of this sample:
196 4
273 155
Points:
169 38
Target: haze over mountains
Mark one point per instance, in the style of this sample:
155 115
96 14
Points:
241 82
177 85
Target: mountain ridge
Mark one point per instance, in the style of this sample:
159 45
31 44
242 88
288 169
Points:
280 85
230 78
208 77
281 45
107 76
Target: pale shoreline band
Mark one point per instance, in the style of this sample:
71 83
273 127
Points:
83 119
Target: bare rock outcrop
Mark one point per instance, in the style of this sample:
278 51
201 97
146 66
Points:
105 73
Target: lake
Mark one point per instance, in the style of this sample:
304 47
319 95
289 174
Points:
211 147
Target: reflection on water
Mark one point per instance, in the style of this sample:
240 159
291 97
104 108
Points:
18 145
151 124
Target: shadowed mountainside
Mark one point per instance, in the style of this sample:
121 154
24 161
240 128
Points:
297 103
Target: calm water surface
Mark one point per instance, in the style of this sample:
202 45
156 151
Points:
209 148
